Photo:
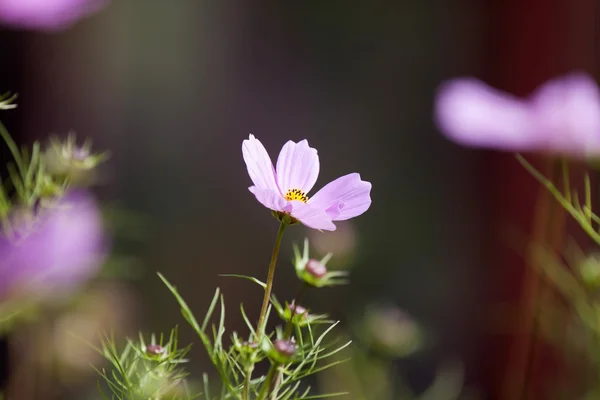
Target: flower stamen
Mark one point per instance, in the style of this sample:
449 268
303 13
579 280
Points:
296 194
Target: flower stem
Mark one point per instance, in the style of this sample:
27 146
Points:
246 394
270 278
267 385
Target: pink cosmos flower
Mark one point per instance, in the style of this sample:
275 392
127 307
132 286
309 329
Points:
562 116
285 188
55 251
47 14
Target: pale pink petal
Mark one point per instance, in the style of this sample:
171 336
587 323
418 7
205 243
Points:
312 217
567 111
346 197
258 162
270 198
297 167
471 113
49 15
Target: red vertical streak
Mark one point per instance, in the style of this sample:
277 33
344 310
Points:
534 40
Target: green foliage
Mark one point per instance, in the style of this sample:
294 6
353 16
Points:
572 322
145 371
235 363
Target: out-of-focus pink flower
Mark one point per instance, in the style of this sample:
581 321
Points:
286 188
54 252
47 15
561 116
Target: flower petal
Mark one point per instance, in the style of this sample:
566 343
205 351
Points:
54 256
47 15
471 113
567 110
346 197
297 167
258 162
269 198
313 217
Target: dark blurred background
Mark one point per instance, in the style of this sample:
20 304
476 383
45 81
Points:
172 89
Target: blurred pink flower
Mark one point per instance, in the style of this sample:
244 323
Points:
47 15
562 116
55 251
286 188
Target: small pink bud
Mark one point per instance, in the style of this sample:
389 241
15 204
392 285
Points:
315 268
155 350
252 345
297 309
286 348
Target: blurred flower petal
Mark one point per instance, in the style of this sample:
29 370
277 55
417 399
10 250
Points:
562 116
471 113
567 109
47 14
60 251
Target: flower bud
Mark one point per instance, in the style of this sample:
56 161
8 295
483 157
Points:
297 310
155 350
250 345
281 351
286 348
66 158
315 268
314 272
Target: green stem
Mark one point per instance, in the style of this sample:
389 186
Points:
246 394
267 385
588 199
566 183
270 278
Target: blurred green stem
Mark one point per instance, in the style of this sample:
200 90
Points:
270 278
267 385
246 393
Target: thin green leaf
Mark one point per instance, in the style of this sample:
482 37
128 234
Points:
12 146
250 278
323 396
210 311
15 179
247 321
31 168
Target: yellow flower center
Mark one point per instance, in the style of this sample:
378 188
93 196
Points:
296 194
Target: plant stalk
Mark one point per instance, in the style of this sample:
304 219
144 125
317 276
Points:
246 393
267 385
270 278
